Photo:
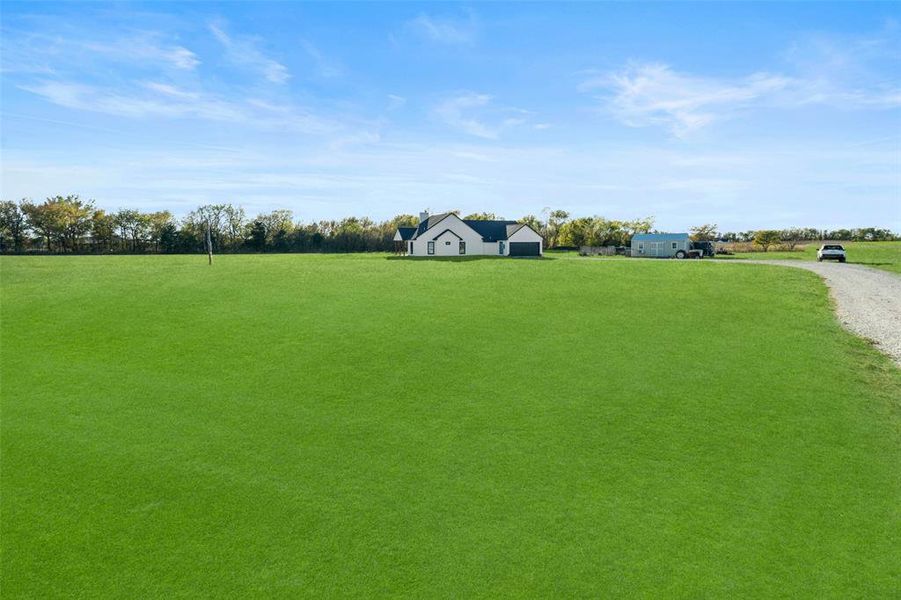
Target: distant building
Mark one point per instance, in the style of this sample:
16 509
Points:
661 245
449 235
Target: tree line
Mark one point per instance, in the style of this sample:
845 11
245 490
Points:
68 224
788 239
810 234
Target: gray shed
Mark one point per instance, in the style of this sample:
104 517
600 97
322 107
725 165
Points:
661 245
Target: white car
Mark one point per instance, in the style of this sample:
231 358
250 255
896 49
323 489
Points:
831 252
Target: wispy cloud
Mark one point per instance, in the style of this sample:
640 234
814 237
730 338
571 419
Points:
147 47
474 114
49 52
243 51
170 90
654 94
844 73
162 100
454 113
324 66
395 102
155 100
444 30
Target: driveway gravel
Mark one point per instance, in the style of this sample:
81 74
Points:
867 301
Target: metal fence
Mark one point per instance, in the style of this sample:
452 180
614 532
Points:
597 251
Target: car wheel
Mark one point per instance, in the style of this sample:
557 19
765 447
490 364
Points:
680 254
841 260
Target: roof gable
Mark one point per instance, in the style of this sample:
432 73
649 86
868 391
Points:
405 233
489 231
450 231
429 223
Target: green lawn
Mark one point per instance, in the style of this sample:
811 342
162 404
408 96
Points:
293 425
882 255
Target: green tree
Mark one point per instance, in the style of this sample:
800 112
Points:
12 226
704 233
133 226
61 221
766 238
257 236
483 216
169 238
103 230
555 221
157 223
272 223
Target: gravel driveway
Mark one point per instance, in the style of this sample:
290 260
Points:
867 301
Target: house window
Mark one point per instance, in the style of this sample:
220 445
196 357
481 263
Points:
500 247
674 245
431 247
462 247
447 243
411 247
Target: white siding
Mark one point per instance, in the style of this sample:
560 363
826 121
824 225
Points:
440 233
440 230
526 234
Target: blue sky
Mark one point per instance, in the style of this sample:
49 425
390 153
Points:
746 115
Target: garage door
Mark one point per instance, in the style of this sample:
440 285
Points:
525 249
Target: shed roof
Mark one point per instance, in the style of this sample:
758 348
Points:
658 237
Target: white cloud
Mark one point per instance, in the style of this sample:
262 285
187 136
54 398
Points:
182 57
453 112
843 73
145 47
444 30
48 52
395 102
243 51
170 90
473 114
165 101
654 94
324 67
161 100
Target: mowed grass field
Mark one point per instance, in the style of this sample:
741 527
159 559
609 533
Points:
290 425
881 255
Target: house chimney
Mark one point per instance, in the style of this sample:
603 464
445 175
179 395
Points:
423 216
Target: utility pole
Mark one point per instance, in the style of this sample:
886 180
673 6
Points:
209 243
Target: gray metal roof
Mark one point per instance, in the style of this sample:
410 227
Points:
658 237
491 231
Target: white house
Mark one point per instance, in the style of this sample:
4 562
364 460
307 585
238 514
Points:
449 235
